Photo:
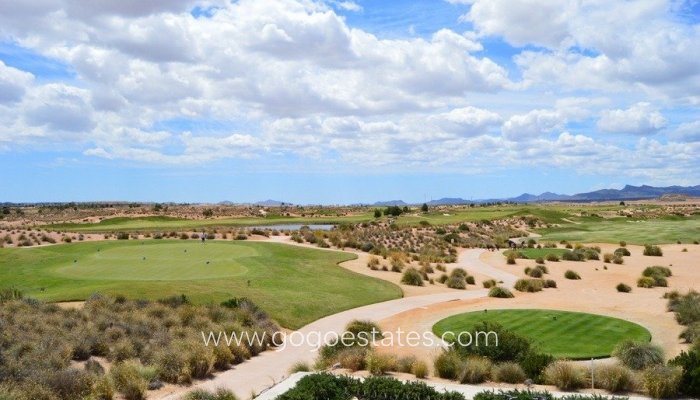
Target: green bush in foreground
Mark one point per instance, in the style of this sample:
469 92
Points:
536 395
475 370
615 378
448 364
689 362
332 387
508 372
654 251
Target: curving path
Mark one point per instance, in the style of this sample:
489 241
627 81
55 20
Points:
271 367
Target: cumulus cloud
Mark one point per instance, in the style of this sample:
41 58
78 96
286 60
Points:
639 119
534 124
13 83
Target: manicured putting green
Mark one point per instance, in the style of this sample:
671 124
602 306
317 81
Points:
294 285
562 334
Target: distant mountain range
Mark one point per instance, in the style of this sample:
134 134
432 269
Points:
629 192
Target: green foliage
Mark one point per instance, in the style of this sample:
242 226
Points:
639 355
475 370
509 347
456 282
646 282
622 251
332 387
686 307
529 285
489 283
689 362
419 369
534 364
379 363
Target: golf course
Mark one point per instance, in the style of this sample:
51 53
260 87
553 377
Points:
563 334
272 275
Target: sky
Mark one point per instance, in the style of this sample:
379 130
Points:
337 102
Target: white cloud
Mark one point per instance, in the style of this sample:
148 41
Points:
13 83
535 123
687 132
639 119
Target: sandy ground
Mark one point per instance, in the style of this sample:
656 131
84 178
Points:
594 293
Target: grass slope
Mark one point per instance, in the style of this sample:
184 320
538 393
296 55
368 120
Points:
294 285
571 335
532 253
655 231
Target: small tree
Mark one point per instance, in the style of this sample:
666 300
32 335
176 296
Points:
377 213
208 212
424 207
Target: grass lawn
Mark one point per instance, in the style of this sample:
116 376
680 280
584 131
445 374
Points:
651 231
294 285
532 253
164 223
562 334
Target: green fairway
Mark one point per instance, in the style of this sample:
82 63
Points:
162 223
294 285
562 334
532 253
649 231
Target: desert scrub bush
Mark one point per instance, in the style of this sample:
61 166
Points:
508 372
534 272
489 283
646 282
565 375
529 285
510 259
448 365
573 256
500 292
510 347
608 257
549 283
651 250
128 380
456 282
622 251
573 275
70 383
661 381
552 257
475 370
412 277
686 307
657 272
534 364
615 378
299 366
419 369
623 288
219 394
380 364
638 355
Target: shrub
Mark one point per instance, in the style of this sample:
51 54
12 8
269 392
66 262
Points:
456 282
615 378
299 366
219 394
569 274
535 272
510 259
419 369
686 307
638 355
691 333
500 292
529 285
448 365
607 257
539 260
552 257
380 364
70 383
549 283
508 372
353 358
128 380
646 282
622 252
662 382
373 263
565 375
489 283
689 362
404 364
412 277
510 346
173 367
122 236
657 271
534 364
654 251
573 256
618 260
475 370
623 288
443 278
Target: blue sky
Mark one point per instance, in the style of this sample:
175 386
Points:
345 102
